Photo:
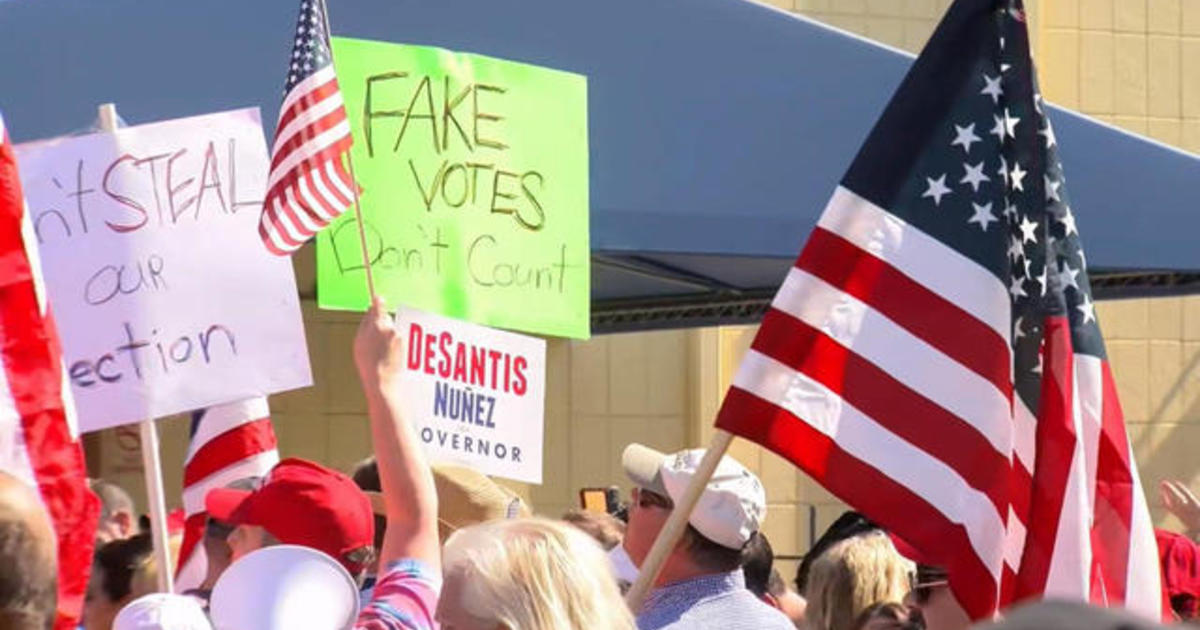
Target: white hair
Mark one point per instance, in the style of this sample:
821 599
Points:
534 574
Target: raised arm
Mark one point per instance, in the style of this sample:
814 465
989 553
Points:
407 480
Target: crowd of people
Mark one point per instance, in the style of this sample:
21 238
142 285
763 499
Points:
401 544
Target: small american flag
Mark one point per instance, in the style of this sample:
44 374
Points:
933 357
308 186
39 440
229 442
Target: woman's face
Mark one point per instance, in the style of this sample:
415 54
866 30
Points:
98 610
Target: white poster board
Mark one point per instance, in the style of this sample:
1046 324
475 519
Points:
164 296
475 395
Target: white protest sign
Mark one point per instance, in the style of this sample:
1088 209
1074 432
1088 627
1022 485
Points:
475 394
164 296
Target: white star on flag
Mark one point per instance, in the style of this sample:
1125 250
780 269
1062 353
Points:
1016 289
992 88
937 189
965 137
1048 133
983 215
1017 177
1010 124
1015 250
1066 276
1068 221
998 128
1088 308
1051 188
1028 230
974 176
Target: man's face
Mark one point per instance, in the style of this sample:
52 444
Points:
244 539
648 512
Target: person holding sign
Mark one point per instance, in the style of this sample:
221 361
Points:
517 573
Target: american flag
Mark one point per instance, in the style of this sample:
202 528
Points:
933 357
39 440
308 185
229 442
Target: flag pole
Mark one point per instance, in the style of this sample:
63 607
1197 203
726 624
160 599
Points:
673 529
362 234
151 461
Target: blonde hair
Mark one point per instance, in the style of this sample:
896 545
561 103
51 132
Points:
851 576
534 574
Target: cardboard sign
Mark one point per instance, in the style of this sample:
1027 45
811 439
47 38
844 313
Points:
476 395
164 296
475 188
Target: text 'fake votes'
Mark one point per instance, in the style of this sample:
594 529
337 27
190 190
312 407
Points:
448 141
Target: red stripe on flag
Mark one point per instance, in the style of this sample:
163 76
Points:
314 96
929 316
1114 494
879 497
193 533
305 134
331 152
230 448
1056 441
32 360
904 412
332 186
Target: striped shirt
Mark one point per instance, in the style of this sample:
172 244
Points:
717 601
405 598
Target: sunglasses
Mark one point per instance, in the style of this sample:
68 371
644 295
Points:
922 590
647 499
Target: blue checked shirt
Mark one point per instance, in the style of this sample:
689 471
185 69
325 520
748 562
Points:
710 602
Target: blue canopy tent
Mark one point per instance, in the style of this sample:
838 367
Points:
718 128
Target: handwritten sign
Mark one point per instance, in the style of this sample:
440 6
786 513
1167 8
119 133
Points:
475 198
476 395
164 296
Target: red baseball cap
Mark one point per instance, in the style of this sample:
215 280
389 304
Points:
302 503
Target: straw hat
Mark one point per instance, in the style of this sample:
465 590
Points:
465 497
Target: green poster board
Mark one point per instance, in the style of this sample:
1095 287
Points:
474 176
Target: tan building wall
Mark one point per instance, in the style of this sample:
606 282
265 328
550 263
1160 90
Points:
1133 63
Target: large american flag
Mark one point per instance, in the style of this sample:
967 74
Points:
39 439
228 443
308 186
933 357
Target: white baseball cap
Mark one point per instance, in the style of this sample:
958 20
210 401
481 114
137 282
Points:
162 611
732 506
284 587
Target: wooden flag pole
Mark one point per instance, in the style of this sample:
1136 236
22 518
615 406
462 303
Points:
673 529
362 232
151 462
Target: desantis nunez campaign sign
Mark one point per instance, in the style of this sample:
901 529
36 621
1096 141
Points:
475 395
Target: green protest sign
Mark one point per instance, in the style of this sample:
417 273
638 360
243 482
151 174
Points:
474 188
